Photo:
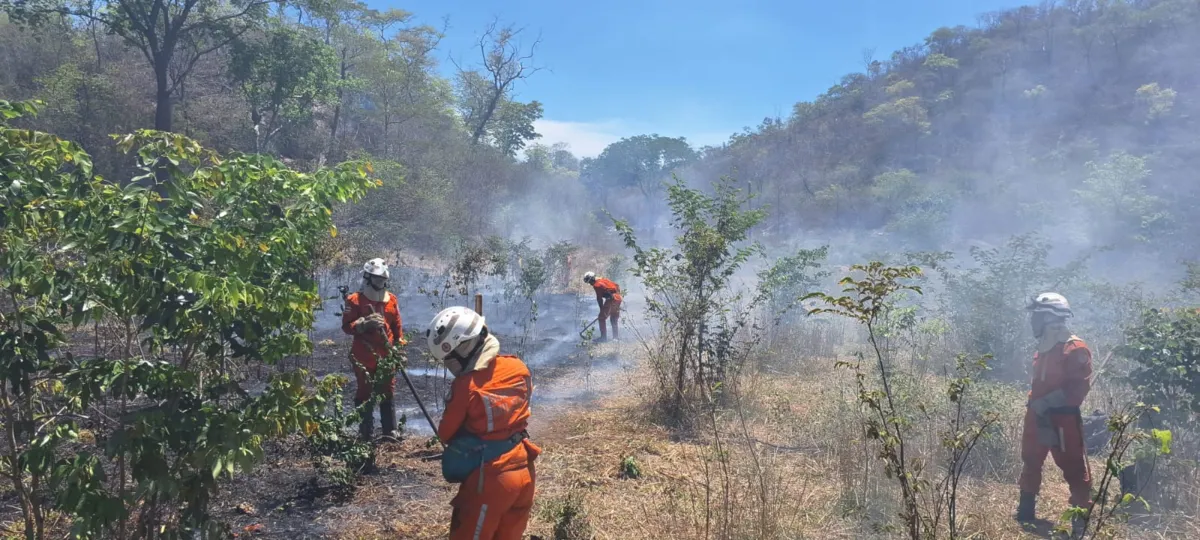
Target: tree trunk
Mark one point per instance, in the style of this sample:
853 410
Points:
162 111
681 371
487 116
337 109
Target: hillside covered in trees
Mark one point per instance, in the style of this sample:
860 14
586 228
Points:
1077 117
1073 116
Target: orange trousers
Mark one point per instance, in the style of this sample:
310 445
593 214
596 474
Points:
1070 455
612 312
362 388
500 512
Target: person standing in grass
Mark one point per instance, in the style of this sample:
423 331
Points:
1062 371
372 316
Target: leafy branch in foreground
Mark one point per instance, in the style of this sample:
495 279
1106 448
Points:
1129 443
869 300
215 276
865 301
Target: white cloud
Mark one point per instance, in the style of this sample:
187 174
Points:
588 139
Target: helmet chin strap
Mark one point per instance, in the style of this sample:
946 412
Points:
376 294
1053 332
464 361
371 282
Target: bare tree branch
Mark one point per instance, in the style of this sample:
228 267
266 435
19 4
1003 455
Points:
210 23
505 63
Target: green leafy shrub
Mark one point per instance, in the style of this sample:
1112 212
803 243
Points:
630 468
570 518
1165 349
689 289
338 457
206 262
789 279
890 408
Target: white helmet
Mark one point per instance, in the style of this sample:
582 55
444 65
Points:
452 327
589 277
1052 303
376 267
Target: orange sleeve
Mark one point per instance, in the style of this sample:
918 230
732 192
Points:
456 410
1078 373
350 314
393 320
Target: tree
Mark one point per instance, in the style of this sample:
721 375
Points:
537 157
1115 188
283 74
172 35
513 125
556 158
1156 100
642 161
354 31
483 92
870 300
689 289
217 274
561 156
399 82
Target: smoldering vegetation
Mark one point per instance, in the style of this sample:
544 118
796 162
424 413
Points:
1050 147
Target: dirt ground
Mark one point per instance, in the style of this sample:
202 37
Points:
788 466
405 497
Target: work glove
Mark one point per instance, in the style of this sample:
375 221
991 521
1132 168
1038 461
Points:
370 323
1053 400
1047 433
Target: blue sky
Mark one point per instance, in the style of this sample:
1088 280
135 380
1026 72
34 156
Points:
701 69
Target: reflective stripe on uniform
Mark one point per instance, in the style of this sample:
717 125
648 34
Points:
487 407
479 523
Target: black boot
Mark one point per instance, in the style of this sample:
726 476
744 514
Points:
366 424
1026 509
1078 527
387 419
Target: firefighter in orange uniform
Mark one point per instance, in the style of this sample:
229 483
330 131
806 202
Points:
608 297
372 316
489 399
1062 370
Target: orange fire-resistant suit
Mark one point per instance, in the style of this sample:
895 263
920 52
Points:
1066 367
368 347
492 403
608 296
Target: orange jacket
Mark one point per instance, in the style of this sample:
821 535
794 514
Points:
367 345
493 404
606 288
1067 366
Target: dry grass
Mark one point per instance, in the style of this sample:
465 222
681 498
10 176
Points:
785 461
793 468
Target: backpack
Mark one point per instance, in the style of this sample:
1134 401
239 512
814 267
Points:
467 452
